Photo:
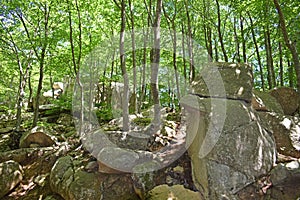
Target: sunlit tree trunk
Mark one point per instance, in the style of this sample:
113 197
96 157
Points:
124 71
134 106
155 66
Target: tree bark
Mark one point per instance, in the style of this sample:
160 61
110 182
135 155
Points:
135 108
257 53
76 62
41 59
124 71
190 43
237 42
281 64
155 66
243 38
270 65
220 32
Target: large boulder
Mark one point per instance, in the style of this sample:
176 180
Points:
285 181
36 137
288 98
72 183
69 180
228 152
286 131
178 192
11 174
116 160
236 79
265 102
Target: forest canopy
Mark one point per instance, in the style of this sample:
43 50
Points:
45 41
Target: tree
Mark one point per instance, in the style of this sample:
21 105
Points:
290 44
155 65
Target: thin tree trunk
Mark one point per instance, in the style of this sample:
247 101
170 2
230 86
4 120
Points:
144 61
183 53
220 32
124 72
76 63
243 39
280 65
133 59
291 73
292 46
172 30
237 42
216 49
207 30
190 43
257 53
41 62
155 66
270 66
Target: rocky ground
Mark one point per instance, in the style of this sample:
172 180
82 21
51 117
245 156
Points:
49 162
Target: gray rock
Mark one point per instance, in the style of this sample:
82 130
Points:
286 131
11 174
229 150
36 137
72 183
116 160
288 98
264 101
225 80
285 171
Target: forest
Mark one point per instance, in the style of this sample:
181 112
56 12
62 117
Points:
128 68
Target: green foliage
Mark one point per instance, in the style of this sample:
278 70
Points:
64 102
104 115
142 121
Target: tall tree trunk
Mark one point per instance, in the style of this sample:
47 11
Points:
124 71
237 42
270 65
173 34
220 32
292 46
291 73
144 61
207 30
216 49
41 59
281 65
134 106
76 62
39 89
261 74
183 53
190 42
243 39
155 66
